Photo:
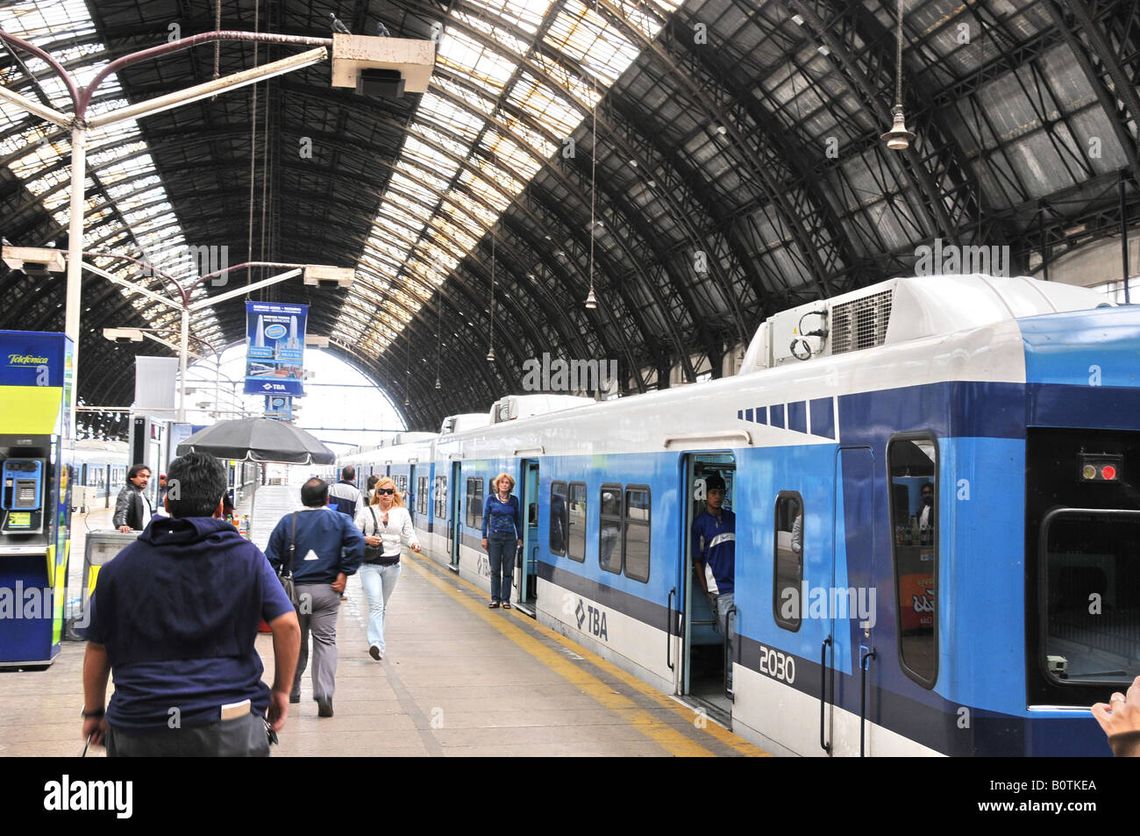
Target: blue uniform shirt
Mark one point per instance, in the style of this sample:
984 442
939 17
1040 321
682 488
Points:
178 612
714 544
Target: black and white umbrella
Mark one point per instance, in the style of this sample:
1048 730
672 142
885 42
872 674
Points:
258 440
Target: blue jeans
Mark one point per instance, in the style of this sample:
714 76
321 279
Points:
378 583
501 556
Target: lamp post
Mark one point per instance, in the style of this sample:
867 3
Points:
129 335
315 274
356 59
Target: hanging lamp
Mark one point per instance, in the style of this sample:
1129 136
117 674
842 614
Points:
898 138
407 362
591 302
491 345
439 338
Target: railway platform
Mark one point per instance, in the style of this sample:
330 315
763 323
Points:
458 680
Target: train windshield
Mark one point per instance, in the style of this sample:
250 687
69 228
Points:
1092 595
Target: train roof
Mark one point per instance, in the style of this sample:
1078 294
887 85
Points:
904 309
922 329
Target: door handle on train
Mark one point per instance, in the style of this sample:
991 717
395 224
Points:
864 666
823 743
730 614
669 631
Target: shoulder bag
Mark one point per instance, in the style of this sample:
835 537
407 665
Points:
285 573
372 554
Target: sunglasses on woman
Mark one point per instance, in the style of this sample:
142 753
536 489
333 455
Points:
386 490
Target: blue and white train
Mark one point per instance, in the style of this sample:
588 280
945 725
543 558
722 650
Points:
100 470
985 623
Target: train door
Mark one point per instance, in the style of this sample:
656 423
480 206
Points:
410 494
454 515
527 577
704 655
849 699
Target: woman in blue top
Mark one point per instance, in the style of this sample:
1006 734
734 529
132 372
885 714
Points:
502 534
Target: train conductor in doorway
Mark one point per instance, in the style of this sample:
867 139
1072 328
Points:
714 556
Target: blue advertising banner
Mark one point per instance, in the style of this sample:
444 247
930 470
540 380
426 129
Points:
33 358
275 341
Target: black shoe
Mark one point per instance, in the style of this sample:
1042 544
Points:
324 707
294 698
374 652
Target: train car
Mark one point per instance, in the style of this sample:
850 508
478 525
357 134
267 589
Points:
867 622
100 471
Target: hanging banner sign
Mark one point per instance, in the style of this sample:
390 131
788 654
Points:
275 342
279 407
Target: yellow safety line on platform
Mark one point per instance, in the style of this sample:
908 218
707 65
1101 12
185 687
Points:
661 733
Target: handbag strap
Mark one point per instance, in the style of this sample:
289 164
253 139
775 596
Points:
375 525
293 543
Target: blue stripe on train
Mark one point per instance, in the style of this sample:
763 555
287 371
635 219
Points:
1083 348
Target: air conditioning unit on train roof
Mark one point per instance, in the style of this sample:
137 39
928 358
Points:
464 421
412 436
903 309
515 407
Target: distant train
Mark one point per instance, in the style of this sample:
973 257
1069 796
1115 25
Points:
985 623
100 470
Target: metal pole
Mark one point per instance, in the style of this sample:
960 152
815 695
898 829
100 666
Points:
74 294
183 351
1124 239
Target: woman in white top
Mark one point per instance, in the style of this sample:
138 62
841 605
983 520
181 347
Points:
386 524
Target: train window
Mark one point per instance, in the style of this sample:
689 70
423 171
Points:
1090 602
913 465
788 573
635 540
609 531
440 497
558 522
475 502
576 522
421 495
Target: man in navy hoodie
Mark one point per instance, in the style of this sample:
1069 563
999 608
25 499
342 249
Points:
174 617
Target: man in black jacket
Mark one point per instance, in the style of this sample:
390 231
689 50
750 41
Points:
132 507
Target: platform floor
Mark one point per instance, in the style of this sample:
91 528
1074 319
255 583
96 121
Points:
458 679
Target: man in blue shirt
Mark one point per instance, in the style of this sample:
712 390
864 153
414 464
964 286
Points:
714 556
323 547
174 617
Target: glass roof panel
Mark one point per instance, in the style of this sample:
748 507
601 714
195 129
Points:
119 163
502 35
527 15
